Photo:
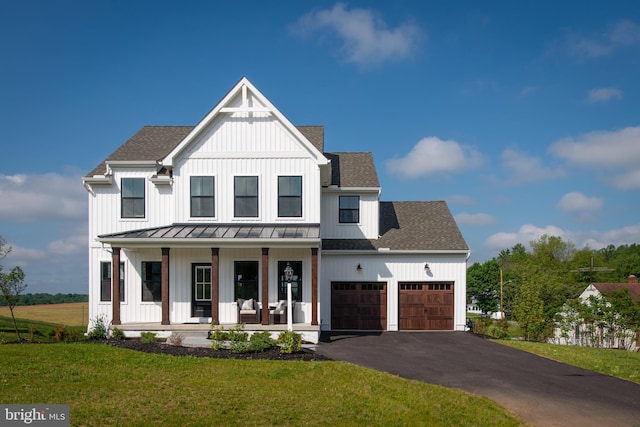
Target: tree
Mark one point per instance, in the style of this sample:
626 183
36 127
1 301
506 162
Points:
529 311
11 284
483 284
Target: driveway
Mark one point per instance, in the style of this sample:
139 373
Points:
539 390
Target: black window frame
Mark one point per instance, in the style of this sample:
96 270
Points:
296 280
344 210
130 203
202 199
245 202
105 281
290 198
151 278
246 284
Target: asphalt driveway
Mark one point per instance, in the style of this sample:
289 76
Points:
539 390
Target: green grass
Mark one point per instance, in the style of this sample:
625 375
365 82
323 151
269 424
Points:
111 386
41 332
618 363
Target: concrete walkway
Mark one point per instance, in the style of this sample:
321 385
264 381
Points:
539 390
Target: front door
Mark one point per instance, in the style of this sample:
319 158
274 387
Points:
201 290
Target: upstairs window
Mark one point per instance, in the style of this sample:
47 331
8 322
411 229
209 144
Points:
132 205
246 196
289 196
202 196
349 207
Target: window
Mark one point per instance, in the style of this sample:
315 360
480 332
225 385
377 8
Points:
246 196
349 209
202 282
151 281
105 281
132 198
290 196
246 280
296 280
202 196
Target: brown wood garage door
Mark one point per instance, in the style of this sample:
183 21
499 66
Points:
426 306
359 305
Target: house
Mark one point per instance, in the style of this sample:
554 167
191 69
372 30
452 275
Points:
191 224
603 329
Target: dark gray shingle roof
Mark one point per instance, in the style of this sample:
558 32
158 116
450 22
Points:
409 226
156 142
353 170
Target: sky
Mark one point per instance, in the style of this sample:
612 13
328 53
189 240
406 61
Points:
523 116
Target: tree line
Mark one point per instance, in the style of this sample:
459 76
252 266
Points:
537 283
45 298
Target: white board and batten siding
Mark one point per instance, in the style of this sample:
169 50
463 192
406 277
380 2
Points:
366 228
392 269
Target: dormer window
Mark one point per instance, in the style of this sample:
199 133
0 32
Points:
349 209
132 202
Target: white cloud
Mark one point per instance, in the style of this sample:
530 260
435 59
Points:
432 155
474 219
578 202
42 197
366 38
614 154
525 234
525 169
603 94
69 245
594 239
624 33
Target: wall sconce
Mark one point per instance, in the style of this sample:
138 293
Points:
426 268
359 268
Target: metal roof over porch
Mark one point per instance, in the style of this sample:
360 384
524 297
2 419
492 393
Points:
308 234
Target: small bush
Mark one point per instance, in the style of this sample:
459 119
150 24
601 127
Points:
261 341
117 334
175 339
99 330
61 334
147 337
240 346
237 334
290 342
3 338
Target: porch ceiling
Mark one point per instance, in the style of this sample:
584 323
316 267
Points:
206 234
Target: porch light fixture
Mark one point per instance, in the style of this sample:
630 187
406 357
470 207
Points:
426 268
288 275
359 268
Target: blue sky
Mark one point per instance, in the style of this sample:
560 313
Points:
524 117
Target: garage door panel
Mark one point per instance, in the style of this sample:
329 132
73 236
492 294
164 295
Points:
357 305
426 306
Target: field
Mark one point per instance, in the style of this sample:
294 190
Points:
71 314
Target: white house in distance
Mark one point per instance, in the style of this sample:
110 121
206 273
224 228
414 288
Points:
191 224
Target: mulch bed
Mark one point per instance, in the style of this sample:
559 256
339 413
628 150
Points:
162 348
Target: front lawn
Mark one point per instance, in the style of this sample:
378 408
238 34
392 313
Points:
617 363
112 386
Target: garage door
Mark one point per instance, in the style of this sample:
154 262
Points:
359 305
426 306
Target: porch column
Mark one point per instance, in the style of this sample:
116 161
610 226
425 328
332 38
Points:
115 286
314 286
215 287
265 286
164 286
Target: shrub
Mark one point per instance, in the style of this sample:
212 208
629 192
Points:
99 330
3 338
147 337
240 346
117 334
175 339
61 334
261 341
237 334
290 342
